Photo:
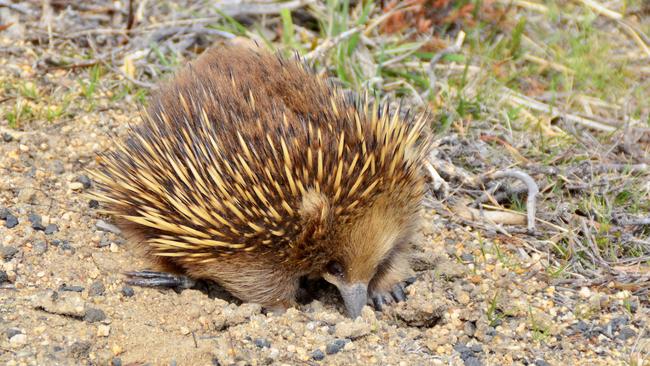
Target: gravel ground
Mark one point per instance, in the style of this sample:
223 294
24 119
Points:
476 300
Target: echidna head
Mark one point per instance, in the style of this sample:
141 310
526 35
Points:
364 246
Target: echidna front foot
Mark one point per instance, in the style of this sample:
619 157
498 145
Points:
148 278
396 294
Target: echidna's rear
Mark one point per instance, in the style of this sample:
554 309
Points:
251 171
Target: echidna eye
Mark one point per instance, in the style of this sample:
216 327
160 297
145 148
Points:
335 269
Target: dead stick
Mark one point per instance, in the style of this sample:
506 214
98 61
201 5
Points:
533 190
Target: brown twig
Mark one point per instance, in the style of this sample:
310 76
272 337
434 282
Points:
437 57
532 187
15 7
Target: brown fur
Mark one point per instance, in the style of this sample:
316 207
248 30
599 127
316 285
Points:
222 179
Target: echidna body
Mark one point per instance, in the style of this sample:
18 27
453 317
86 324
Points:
252 171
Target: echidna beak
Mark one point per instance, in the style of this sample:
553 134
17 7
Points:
355 297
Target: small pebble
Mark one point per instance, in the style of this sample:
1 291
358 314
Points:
10 332
58 167
7 252
93 204
4 277
96 289
467 257
103 330
37 222
6 137
472 361
102 225
65 287
116 361
262 343
80 349
51 229
4 213
11 221
40 247
76 186
541 363
66 247
94 315
18 340
335 346
127 291
626 333
317 355
84 180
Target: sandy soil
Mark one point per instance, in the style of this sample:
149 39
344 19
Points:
476 301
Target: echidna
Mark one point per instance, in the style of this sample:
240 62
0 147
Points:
252 171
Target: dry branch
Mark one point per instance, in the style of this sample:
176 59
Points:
533 190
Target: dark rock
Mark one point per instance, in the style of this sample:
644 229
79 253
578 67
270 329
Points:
317 355
3 277
262 343
94 315
470 329
467 257
36 221
116 361
104 242
616 323
10 332
96 289
40 247
73 288
463 349
80 349
55 242
93 204
335 346
541 363
128 291
4 213
7 252
7 137
581 326
51 229
11 221
476 348
472 361
83 179
66 247
626 333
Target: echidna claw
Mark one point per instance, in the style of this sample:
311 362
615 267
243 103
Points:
398 292
148 278
378 301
